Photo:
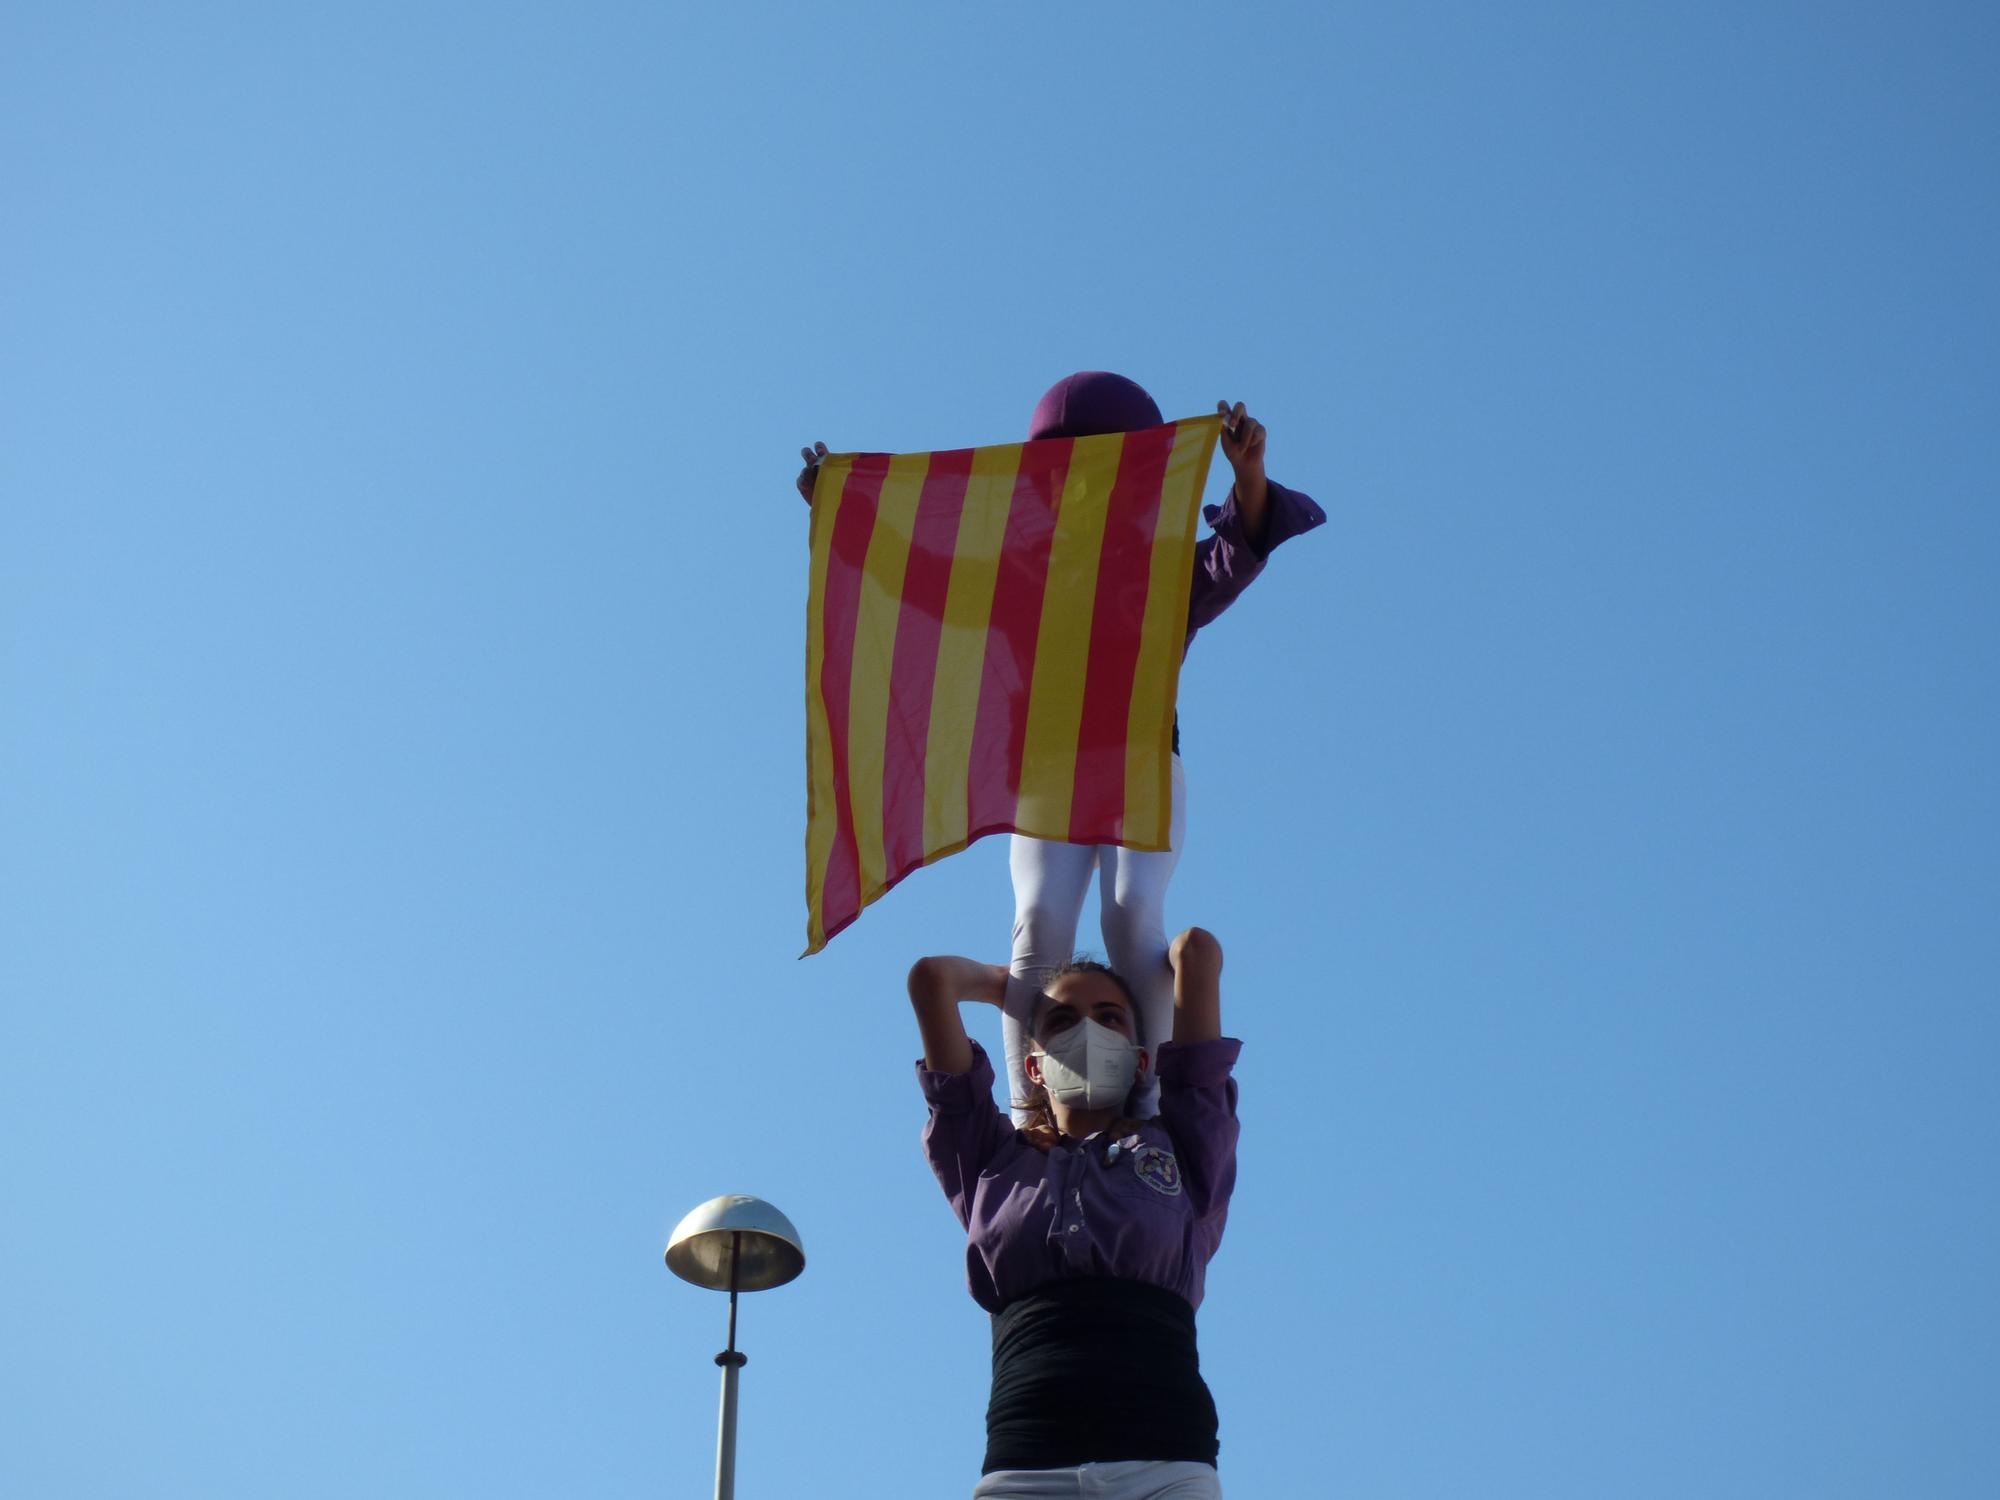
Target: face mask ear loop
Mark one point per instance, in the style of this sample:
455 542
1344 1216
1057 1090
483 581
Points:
1032 1051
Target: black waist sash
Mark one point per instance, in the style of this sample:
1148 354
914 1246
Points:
1096 1370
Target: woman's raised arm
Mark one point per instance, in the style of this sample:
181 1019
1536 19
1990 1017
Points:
936 987
1196 958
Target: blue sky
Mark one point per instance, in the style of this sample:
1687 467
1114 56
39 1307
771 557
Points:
401 742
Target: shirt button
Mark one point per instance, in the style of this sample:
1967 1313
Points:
1074 1228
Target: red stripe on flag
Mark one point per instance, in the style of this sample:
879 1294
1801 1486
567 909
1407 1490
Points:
1124 567
853 525
993 779
913 669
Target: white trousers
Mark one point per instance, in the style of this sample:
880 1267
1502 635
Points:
1138 1479
1050 883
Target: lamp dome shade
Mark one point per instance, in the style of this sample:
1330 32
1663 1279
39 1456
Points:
704 1243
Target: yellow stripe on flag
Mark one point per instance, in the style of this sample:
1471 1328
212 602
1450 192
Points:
1150 729
874 649
961 663
1062 645
821 814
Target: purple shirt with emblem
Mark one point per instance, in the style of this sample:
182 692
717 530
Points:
1148 1206
1226 564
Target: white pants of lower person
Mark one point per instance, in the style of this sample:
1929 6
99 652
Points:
1139 1479
1050 883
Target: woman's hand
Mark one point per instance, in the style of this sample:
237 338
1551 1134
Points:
1196 959
937 985
1243 446
809 475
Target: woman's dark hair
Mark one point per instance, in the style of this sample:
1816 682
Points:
1041 1128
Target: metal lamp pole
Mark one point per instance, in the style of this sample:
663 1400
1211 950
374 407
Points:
744 1245
731 1361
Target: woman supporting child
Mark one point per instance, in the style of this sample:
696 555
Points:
1088 1234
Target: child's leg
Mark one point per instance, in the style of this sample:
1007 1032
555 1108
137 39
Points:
1050 882
1132 901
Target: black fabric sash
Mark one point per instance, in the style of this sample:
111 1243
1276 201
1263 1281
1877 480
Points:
1096 1370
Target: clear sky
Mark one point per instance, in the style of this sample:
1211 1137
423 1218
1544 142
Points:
402 751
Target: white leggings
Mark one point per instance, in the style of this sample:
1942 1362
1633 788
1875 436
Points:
1050 882
1142 1479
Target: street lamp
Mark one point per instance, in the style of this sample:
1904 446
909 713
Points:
742 1245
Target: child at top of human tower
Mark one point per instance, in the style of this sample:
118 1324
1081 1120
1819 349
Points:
1052 879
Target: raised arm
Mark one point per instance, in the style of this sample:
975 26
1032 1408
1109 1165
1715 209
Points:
1196 958
1258 515
1243 446
1197 1093
937 985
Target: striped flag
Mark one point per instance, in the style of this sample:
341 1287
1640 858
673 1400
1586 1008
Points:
993 644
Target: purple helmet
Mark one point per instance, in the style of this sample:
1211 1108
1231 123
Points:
1091 402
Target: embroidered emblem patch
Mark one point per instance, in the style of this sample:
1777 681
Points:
1158 1170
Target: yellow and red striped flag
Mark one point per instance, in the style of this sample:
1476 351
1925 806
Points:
993 644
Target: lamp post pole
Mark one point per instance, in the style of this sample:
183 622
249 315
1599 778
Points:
731 1361
741 1244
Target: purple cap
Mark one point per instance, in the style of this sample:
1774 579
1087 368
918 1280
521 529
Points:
1090 402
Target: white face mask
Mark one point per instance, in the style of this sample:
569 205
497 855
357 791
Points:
1089 1066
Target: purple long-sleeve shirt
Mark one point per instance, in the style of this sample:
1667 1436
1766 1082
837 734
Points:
1149 1206
1226 563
